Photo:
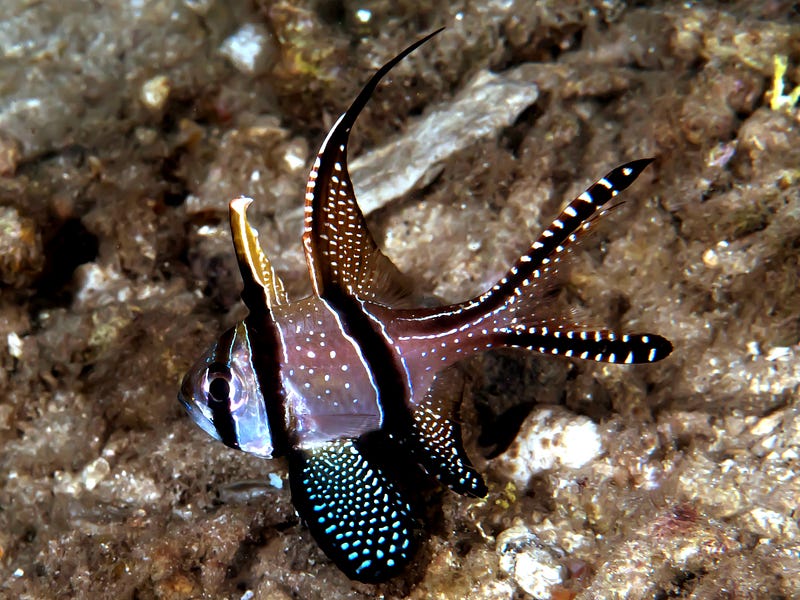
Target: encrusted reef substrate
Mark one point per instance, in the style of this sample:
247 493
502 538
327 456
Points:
124 132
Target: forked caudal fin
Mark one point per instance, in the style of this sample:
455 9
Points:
510 305
512 312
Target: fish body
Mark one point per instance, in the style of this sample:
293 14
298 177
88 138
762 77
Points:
320 379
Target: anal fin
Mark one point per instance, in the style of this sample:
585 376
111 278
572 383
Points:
438 447
435 437
357 516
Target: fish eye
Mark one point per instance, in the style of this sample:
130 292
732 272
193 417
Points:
218 382
219 389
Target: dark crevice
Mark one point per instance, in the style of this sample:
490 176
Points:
71 246
333 13
498 431
546 47
247 553
514 135
175 188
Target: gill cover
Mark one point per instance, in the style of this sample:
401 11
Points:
222 395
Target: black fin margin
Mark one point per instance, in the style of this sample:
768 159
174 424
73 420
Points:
355 513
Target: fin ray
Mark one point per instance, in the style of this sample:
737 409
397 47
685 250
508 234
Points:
599 346
437 445
521 281
519 304
521 292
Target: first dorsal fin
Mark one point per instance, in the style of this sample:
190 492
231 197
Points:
263 289
340 251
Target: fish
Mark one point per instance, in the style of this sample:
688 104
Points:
326 379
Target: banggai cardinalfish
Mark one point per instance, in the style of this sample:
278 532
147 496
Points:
341 380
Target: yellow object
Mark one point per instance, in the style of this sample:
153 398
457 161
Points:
778 100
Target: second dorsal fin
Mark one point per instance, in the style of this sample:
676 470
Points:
340 251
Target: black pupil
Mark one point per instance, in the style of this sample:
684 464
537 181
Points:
219 388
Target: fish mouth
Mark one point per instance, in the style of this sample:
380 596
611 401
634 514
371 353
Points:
186 406
185 393
195 412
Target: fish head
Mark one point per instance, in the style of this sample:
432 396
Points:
222 395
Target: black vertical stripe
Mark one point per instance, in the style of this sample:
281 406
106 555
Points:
380 359
266 356
220 410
